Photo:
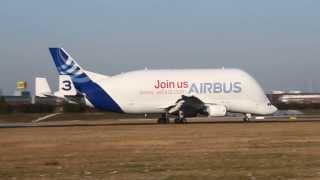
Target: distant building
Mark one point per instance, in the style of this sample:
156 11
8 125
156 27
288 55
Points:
295 100
21 95
24 99
17 93
278 92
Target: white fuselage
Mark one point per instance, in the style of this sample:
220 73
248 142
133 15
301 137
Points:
152 91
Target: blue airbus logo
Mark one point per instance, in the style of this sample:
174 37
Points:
216 87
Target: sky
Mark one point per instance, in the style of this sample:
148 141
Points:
276 41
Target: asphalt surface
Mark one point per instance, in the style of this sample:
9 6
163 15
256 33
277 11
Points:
153 122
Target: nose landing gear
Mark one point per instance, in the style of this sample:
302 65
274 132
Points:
247 117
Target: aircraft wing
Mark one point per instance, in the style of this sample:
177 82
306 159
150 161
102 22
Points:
190 105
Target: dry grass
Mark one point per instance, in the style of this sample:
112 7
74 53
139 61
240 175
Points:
192 151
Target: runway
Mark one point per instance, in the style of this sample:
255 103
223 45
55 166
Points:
152 122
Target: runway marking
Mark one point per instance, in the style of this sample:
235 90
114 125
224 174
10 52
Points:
45 117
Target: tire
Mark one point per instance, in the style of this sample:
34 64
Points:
163 121
177 120
180 121
160 121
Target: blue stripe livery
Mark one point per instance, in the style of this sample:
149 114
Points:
98 97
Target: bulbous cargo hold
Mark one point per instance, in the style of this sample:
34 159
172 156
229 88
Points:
232 87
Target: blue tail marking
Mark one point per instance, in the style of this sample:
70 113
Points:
98 97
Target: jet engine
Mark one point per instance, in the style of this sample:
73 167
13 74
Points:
216 110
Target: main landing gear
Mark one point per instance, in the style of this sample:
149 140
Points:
247 117
164 119
180 118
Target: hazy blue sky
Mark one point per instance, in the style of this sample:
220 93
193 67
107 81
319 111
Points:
277 41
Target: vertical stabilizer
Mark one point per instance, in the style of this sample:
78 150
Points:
90 88
42 87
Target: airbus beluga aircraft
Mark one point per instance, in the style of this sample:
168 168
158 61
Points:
184 93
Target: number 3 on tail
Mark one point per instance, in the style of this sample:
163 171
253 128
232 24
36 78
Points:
66 85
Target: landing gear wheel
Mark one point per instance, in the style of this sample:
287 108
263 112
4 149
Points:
164 119
177 120
161 121
180 119
247 117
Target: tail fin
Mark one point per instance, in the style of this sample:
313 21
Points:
42 87
66 65
97 96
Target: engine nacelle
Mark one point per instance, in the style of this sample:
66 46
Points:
216 110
